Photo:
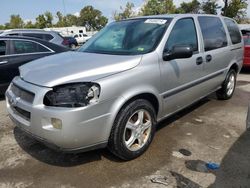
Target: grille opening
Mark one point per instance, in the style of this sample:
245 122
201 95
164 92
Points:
23 113
22 93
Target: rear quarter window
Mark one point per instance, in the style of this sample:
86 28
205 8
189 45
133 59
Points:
24 47
48 37
213 32
233 30
34 35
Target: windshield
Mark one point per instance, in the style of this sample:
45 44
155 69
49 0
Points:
129 37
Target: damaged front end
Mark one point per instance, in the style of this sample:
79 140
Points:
73 95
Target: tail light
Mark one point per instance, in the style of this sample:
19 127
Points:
65 42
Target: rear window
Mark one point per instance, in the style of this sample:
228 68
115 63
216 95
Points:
246 41
24 47
213 32
3 47
233 31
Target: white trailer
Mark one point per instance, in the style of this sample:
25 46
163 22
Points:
68 31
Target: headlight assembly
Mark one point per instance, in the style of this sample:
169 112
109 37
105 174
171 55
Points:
73 95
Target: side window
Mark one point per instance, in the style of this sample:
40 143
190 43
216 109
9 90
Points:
183 33
3 47
23 47
48 37
34 35
213 32
233 31
80 31
13 34
80 35
85 35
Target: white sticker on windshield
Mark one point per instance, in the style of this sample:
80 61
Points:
156 21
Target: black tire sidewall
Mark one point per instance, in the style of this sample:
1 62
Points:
222 93
231 72
118 145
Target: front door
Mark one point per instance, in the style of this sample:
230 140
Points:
180 77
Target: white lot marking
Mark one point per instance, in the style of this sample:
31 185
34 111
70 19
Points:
198 120
233 133
244 87
226 136
15 184
177 154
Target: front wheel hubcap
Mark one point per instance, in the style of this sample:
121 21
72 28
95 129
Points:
137 130
230 85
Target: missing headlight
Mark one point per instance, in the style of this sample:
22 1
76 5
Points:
73 95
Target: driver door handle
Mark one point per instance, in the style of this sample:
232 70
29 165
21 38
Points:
3 62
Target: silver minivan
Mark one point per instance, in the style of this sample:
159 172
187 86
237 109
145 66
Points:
129 76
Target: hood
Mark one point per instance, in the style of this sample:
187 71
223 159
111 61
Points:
71 67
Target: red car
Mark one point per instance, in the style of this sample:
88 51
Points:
246 62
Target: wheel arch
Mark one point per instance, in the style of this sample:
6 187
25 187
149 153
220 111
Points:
235 67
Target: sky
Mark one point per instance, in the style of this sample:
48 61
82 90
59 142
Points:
30 9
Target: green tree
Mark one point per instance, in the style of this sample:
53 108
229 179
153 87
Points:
235 9
41 21
210 6
92 18
29 25
125 13
16 22
2 27
71 20
49 18
155 7
61 20
193 7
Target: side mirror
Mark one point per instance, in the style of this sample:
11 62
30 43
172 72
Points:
178 52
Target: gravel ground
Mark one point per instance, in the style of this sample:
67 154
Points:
209 131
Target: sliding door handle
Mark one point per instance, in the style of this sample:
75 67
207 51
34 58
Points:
199 60
208 58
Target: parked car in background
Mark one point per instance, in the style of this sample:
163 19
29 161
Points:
71 42
16 51
246 62
132 74
50 36
82 38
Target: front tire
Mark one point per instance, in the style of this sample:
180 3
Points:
228 86
133 130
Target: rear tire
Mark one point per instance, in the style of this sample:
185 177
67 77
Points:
133 130
228 86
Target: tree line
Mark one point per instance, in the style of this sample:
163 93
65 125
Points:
236 9
89 17
93 19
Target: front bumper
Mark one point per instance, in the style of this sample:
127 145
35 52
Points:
82 128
